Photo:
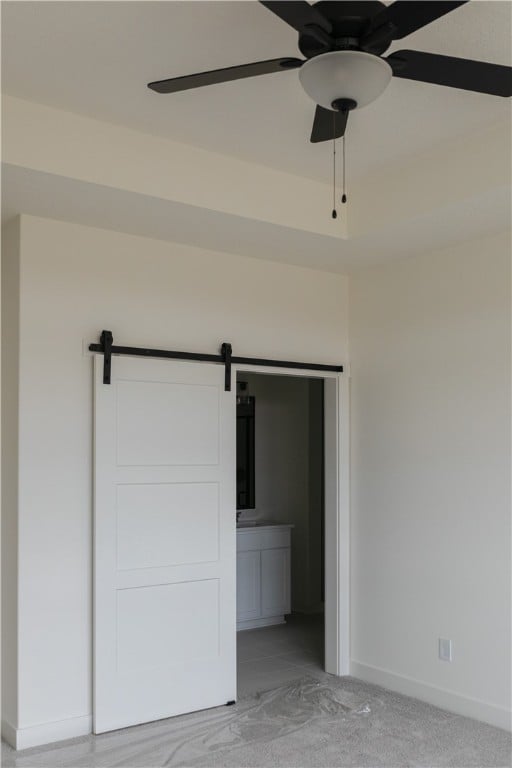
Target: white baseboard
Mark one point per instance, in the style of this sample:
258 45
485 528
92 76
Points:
9 733
258 623
46 733
439 697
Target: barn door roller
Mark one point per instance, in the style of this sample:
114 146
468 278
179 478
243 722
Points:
226 358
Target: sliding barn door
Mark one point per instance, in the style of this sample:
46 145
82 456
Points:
164 541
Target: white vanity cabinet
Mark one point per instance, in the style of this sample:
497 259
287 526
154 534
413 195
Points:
263 575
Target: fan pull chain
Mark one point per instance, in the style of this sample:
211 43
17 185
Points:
344 195
334 212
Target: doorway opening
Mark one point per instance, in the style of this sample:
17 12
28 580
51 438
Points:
280 529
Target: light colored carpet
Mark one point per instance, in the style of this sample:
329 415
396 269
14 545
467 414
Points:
315 721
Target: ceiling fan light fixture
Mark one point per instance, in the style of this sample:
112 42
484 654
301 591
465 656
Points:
354 75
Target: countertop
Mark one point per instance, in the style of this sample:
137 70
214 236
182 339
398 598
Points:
263 525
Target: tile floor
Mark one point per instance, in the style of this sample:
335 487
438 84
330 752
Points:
272 656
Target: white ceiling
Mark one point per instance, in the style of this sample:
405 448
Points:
95 58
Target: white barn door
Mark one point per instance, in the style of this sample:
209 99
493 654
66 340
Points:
164 541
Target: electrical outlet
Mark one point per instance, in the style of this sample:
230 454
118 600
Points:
445 649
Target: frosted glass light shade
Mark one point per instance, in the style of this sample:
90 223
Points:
344 75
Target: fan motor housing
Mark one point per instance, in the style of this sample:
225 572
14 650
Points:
350 20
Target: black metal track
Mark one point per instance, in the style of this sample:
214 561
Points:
225 358
142 352
286 364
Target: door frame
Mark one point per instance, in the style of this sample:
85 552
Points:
336 507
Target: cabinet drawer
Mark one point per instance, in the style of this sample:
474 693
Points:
247 541
275 539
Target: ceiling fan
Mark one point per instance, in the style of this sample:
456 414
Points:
343 42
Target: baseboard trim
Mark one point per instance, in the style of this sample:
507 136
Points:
9 733
439 697
259 623
46 733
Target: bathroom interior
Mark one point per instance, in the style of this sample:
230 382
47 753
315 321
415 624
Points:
280 529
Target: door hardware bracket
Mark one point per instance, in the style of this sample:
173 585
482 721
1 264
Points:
106 341
225 352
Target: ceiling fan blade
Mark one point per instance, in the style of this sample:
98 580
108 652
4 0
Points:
469 75
174 84
328 125
298 15
407 16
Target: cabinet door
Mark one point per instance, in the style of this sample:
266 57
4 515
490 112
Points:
275 582
248 585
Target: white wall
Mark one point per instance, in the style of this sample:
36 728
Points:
430 342
288 444
75 281
430 365
10 382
